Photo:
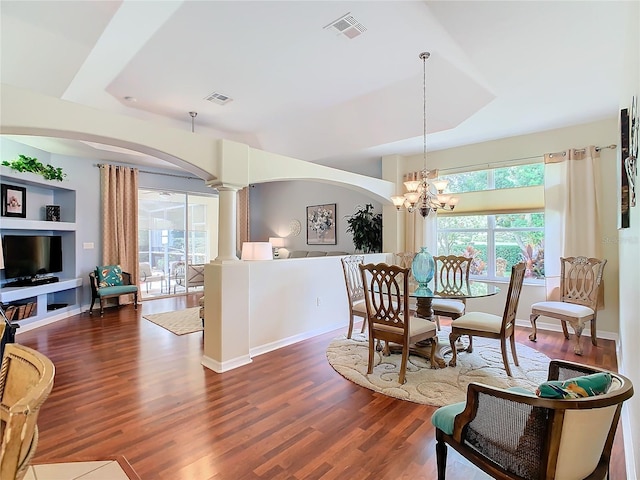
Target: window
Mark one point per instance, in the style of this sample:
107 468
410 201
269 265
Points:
498 229
496 178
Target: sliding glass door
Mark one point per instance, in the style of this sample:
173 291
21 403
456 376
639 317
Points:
176 239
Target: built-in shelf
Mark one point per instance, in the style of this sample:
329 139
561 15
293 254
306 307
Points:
25 224
67 291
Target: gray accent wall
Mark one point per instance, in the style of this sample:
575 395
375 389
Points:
274 205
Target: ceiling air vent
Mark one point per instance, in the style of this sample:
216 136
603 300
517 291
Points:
218 98
347 26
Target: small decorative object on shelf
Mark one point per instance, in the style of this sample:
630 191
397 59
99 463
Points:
423 267
53 213
14 201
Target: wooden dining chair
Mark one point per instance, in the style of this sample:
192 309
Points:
355 291
388 313
452 275
405 260
480 324
580 280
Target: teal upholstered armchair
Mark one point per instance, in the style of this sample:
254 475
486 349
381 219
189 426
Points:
563 431
111 282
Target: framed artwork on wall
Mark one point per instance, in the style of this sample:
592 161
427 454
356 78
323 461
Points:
321 224
625 214
14 201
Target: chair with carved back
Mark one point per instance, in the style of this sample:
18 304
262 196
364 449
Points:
565 430
388 313
488 325
355 291
452 275
580 280
405 260
26 379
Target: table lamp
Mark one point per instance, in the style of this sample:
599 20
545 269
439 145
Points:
277 243
257 251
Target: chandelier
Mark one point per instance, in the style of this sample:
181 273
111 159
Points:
425 192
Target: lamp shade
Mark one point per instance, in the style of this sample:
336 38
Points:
276 242
257 251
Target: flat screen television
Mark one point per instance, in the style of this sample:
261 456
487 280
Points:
30 255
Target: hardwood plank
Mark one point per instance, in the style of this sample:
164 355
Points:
125 386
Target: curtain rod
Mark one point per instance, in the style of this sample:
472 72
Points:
515 161
99 165
582 150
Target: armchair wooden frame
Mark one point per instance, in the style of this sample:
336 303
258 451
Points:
26 380
544 438
103 293
580 280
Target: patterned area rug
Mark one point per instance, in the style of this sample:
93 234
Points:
179 322
436 386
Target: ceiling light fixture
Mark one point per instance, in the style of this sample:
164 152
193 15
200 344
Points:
421 194
193 120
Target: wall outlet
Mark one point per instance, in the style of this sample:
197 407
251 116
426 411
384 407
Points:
87 245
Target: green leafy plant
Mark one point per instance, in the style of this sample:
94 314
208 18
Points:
366 229
31 164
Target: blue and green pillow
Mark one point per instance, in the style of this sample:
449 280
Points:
109 276
578 387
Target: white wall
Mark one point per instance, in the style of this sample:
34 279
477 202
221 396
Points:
274 205
628 241
600 133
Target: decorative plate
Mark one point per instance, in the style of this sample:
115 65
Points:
295 227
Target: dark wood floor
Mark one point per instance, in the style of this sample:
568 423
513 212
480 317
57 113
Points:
125 386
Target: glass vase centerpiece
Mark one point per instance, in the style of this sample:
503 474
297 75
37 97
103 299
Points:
423 267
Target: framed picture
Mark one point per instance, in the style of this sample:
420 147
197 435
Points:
625 198
14 201
321 224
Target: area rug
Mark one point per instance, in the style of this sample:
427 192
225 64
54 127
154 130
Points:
179 322
436 386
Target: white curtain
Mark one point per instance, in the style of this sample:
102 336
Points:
572 210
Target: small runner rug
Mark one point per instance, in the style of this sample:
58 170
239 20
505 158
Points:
436 386
179 322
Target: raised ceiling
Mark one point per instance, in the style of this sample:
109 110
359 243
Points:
299 87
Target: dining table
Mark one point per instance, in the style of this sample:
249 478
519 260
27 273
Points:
424 295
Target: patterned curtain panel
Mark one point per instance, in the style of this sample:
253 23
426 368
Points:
242 228
119 187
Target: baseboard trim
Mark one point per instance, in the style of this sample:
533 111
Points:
221 367
269 347
64 313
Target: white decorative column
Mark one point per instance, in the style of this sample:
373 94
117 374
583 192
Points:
227 224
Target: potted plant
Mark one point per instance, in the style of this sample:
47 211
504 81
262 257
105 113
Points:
31 164
366 228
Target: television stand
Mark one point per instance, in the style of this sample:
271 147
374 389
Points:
32 282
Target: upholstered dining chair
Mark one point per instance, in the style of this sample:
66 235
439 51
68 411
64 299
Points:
480 324
405 260
516 434
580 280
452 274
355 291
26 379
388 313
